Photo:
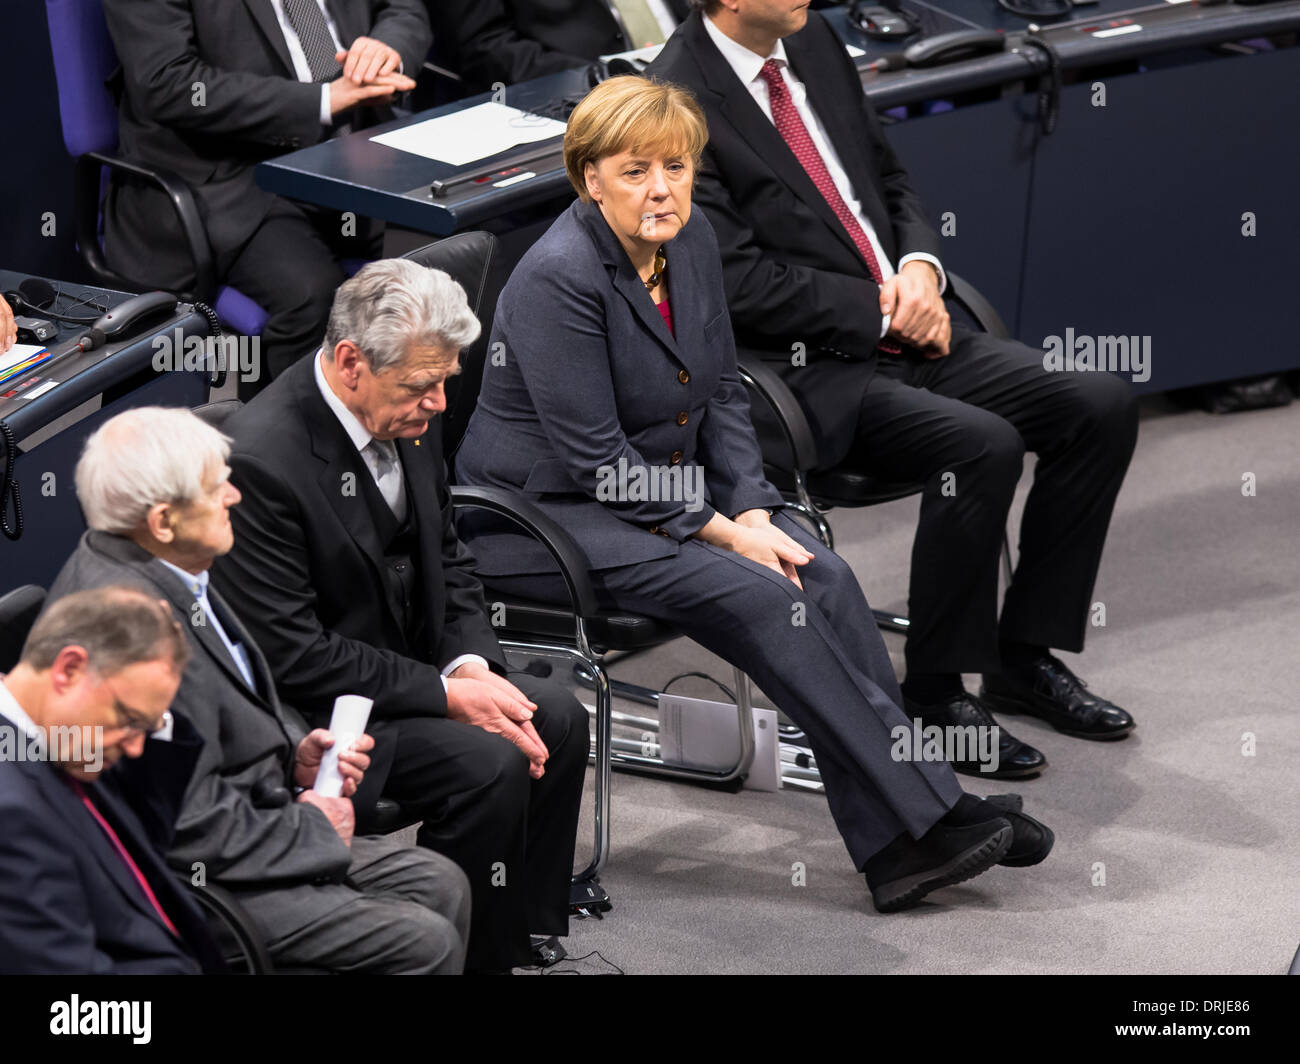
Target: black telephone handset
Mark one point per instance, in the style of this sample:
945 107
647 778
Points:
951 47
125 318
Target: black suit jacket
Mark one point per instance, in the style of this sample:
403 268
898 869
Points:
253 108
68 903
791 270
305 572
509 41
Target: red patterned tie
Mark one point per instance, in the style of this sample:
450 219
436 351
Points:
132 867
791 127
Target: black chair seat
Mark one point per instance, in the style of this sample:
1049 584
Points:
526 620
849 487
216 413
387 817
843 486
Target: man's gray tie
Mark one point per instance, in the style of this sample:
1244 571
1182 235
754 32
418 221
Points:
308 21
388 475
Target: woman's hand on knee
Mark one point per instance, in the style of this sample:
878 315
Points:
768 545
752 535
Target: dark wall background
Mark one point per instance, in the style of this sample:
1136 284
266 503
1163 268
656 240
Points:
35 169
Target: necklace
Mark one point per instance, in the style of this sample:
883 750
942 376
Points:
661 261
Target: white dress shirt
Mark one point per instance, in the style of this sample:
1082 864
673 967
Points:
198 587
299 58
361 439
10 708
747 65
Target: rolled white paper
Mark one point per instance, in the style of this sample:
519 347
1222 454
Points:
347 722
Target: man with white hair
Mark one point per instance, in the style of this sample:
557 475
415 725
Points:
155 489
348 571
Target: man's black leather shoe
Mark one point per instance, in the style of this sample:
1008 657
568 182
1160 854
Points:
1015 759
1032 840
908 869
547 950
1051 692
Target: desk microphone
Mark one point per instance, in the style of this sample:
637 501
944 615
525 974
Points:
893 61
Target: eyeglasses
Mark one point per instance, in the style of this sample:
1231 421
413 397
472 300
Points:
148 727
138 723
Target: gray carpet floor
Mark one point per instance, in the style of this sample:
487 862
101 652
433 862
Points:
1176 851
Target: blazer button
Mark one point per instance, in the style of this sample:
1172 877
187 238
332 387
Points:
677 457
683 417
684 376
654 530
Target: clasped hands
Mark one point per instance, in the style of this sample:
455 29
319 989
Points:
370 75
476 695
919 317
354 759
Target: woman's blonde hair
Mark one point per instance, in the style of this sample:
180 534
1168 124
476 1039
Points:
630 113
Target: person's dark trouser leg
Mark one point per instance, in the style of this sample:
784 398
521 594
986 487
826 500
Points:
1083 427
473 791
554 803
818 655
969 461
290 272
470 787
406 913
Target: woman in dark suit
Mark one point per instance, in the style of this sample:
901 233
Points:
610 397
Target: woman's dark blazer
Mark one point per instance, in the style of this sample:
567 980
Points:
582 374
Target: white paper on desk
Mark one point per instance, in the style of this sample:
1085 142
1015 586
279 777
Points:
645 55
699 733
19 353
475 133
347 722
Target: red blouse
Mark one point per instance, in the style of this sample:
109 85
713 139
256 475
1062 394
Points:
667 314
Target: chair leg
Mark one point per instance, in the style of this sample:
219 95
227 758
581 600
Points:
805 505
891 622
604 766
745 721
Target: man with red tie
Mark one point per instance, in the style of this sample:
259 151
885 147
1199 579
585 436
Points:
83 886
833 276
